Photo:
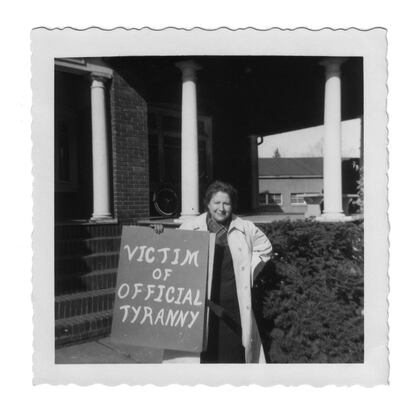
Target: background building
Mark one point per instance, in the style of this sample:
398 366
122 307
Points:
284 183
291 166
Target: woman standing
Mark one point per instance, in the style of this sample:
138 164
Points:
240 252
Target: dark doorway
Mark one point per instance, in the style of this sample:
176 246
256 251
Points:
73 147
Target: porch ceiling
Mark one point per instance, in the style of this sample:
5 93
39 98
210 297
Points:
260 94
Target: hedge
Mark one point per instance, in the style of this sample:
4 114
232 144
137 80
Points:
309 299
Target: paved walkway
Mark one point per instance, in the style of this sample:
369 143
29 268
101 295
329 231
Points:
104 351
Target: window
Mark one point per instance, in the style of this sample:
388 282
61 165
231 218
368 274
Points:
270 199
164 127
299 198
66 159
63 153
262 198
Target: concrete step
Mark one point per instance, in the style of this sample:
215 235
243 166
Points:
81 303
81 247
80 282
72 264
82 328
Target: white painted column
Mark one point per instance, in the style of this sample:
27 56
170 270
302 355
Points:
189 142
332 170
100 159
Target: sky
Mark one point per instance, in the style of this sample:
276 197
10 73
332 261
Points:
308 142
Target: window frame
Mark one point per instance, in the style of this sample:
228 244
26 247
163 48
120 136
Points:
303 194
267 199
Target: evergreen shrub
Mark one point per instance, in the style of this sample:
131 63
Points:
310 296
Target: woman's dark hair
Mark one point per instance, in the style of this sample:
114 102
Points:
219 186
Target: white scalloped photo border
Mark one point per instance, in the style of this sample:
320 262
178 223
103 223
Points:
94 42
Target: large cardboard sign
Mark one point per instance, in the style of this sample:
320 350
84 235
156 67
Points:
161 289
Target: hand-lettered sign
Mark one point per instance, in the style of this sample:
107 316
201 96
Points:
161 289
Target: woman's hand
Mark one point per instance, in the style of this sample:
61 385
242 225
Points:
158 228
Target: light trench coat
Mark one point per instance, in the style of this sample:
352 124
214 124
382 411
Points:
249 246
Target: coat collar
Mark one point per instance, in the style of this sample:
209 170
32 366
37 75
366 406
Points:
200 223
236 223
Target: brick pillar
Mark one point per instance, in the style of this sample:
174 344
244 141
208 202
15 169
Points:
129 151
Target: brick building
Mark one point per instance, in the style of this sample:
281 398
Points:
285 183
126 127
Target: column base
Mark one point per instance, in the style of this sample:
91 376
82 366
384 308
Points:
333 217
184 218
102 217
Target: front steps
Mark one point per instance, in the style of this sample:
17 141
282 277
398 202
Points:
86 263
87 302
82 328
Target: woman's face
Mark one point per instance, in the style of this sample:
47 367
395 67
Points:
220 207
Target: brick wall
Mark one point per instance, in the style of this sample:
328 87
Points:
129 151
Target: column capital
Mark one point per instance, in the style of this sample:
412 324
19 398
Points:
256 137
98 77
332 65
188 68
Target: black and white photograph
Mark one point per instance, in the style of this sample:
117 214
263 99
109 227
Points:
217 199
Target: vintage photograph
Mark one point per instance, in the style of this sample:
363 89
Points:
209 206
